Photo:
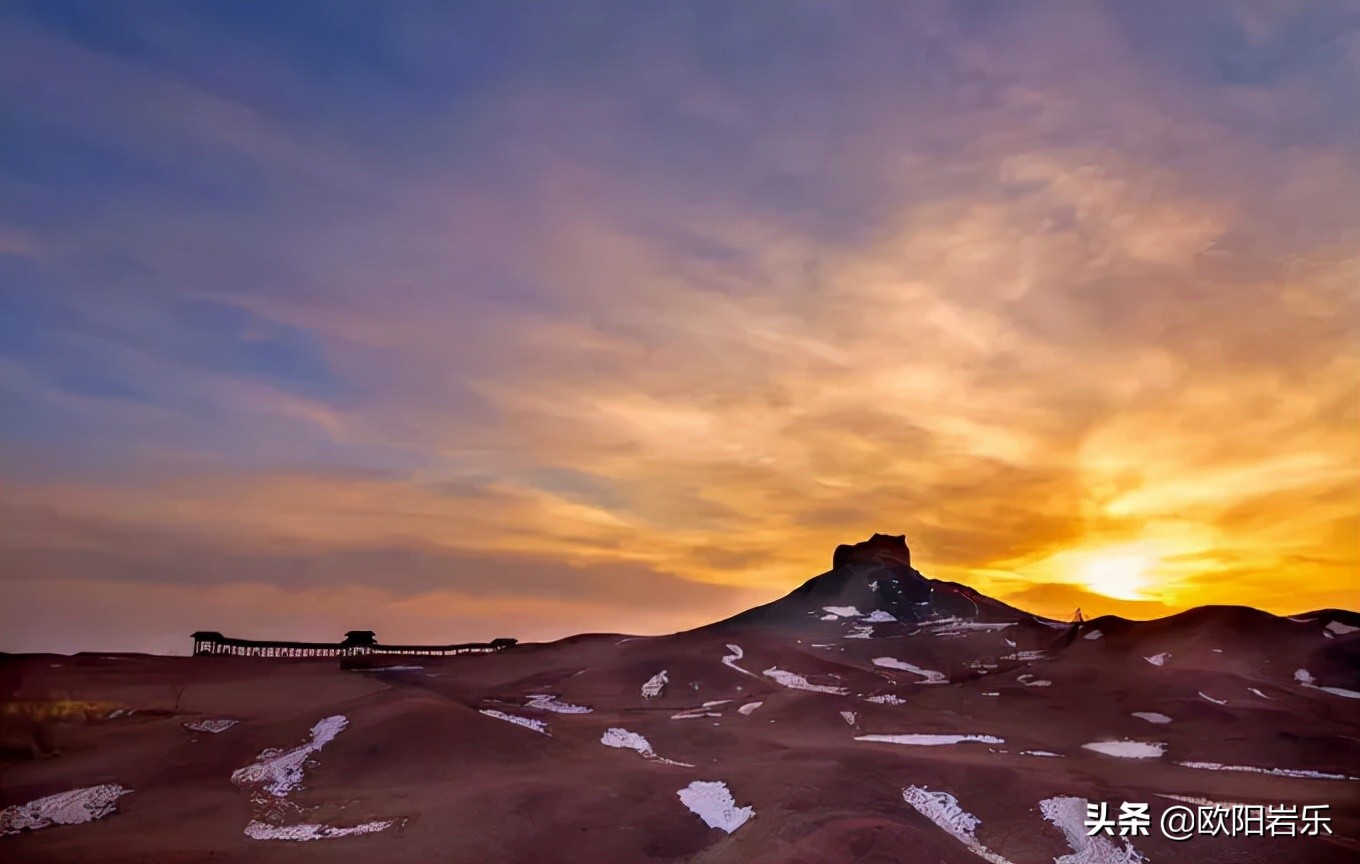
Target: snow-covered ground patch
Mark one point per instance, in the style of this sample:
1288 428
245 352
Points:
843 611
794 681
307 832
1026 656
848 717
928 676
730 660
956 624
279 772
830 618
548 702
655 685
212 726
878 616
1128 749
1069 815
1304 677
1339 629
943 809
1277 772
886 699
623 739
527 722
1159 659
861 631
1152 716
1047 753
746 709
1094 634
1209 698
922 740
64 808
1262 695
990 693
711 801
1030 681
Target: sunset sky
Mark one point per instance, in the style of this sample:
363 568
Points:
462 321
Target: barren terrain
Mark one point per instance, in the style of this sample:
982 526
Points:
871 715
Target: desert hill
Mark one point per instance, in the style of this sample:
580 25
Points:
872 714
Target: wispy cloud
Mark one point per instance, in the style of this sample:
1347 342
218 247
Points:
660 304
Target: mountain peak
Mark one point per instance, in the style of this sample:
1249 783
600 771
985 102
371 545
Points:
873 576
877 550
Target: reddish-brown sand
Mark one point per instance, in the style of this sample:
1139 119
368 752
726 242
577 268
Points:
460 785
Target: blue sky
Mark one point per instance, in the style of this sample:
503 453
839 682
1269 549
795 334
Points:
660 302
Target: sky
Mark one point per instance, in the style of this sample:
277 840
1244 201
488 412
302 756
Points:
459 321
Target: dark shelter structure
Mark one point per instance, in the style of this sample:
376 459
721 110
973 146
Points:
356 643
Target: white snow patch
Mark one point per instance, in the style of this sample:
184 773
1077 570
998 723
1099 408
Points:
921 740
830 618
843 611
1010 642
1094 634
746 709
401 669
1278 772
64 808
655 685
1069 815
527 722
990 693
212 726
1026 655
1128 749
1152 716
1030 681
695 714
1217 650
956 624
279 772
1340 691
929 676
711 801
1262 695
848 717
1195 799
548 702
1048 753
304 833
625 740
730 660
943 809
878 616
794 681
1340 629
886 699
1304 677
1159 659
1212 699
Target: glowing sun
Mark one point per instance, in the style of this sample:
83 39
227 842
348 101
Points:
1122 577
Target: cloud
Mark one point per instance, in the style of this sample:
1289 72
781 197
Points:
685 310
